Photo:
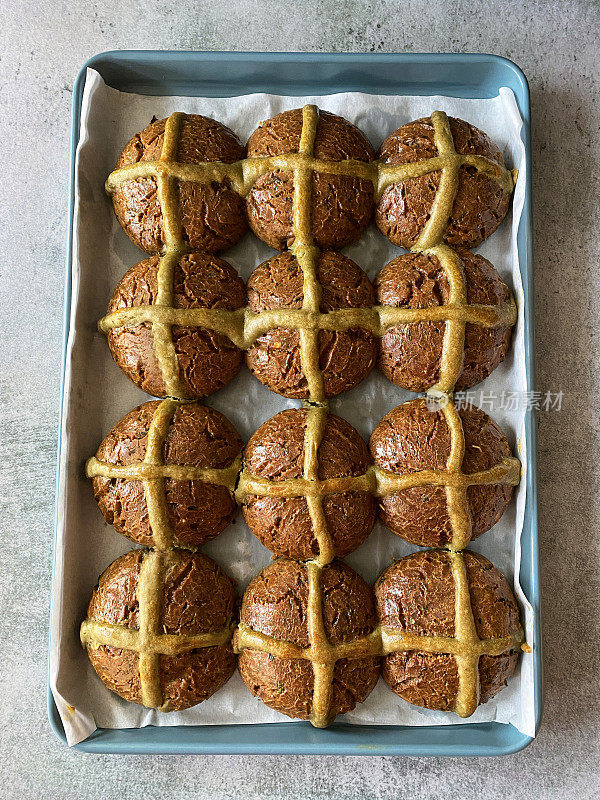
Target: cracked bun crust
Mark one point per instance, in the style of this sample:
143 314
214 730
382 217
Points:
212 214
417 595
341 206
197 511
207 360
283 524
409 354
411 439
345 357
480 204
275 604
197 597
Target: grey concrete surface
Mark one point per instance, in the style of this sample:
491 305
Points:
43 44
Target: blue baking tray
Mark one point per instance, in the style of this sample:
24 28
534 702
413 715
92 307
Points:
218 74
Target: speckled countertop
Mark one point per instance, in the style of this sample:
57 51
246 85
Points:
556 44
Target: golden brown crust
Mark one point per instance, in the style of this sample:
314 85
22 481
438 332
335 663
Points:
341 209
276 604
429 680
341 206
206 360
283 524
418 595
286 685
278 283
410 354
197 510
346 357
480 203
212 214
201 139
411 438
336 138
196 598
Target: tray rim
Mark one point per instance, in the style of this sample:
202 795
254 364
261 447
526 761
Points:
163 740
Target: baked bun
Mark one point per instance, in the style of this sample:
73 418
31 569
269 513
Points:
346 357
206 360
410 353
276 452
341 205
194 437
412 439
481 200
276 605
417 597
211 214
176 608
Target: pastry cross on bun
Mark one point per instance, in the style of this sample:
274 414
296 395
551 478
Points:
158 628
274 456
340 205
450 628
457 468
343 356
164 476
170 324
307 640
443 180
157 196
468 293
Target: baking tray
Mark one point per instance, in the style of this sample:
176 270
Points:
220 74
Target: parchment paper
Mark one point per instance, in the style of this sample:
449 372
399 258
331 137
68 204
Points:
97 395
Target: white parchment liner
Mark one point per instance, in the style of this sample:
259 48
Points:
97 395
